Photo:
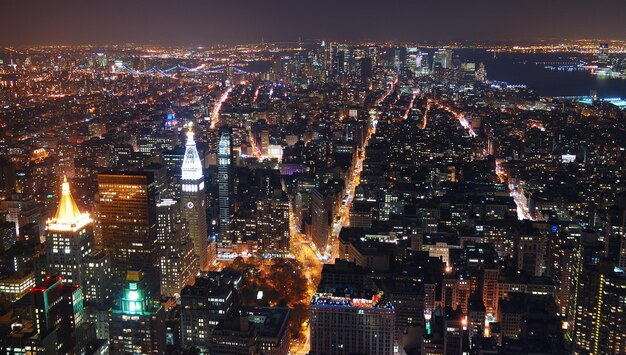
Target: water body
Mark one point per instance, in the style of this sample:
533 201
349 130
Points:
520 68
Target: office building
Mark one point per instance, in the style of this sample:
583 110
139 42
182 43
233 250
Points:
272 225
224 171
126 224
178 261
52 321
69 239
193 200
211 299
603 56
137 322
600 311
321 219
352 324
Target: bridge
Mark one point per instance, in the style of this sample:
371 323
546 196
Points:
619 102
177 68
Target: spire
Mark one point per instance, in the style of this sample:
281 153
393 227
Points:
192 166
190 141
67 217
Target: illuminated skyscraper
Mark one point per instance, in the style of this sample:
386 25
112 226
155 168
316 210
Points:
224 186
211 299
412 56
273 224
69 239
126 223
179 263
443 58
600 310
137 323
193 200
603 55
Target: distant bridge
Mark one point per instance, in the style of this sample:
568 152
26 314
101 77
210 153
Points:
619 102
170 71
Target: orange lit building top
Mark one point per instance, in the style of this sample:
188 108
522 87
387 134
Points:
68 217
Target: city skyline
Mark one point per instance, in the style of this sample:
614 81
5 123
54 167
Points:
356 179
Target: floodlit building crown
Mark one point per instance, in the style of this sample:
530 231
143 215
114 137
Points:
192 166
68 217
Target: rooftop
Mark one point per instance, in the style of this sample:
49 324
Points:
67 217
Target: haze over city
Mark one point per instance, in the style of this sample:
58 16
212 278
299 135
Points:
246 21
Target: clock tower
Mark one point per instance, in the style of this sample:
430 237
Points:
193 200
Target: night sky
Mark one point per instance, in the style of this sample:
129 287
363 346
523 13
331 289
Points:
243 21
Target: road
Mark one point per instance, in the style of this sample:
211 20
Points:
304 252
215 114
523 211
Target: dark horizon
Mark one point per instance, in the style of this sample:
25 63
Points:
245 21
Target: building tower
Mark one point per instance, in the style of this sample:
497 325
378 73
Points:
179 263
273 224
137 322
126 224
193 200
224 188
53 321
603 56
69 239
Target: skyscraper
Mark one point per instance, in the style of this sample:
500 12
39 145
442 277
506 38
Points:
603 55
126 223
321 219
273 224
211 299
224 186
137 323
54 321
69 239
600 311
193 200
443 58
179 263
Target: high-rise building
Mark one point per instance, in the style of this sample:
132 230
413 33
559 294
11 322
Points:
530 253
603 55
456 293
178 261
321 219
273 224
21 210
564 268
224 171
193 200
70 253
212 298
352 324
98 291
442 58
455 325
69 239
126 224
600 310
53 321
490 290
412 57
137 322
7 177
